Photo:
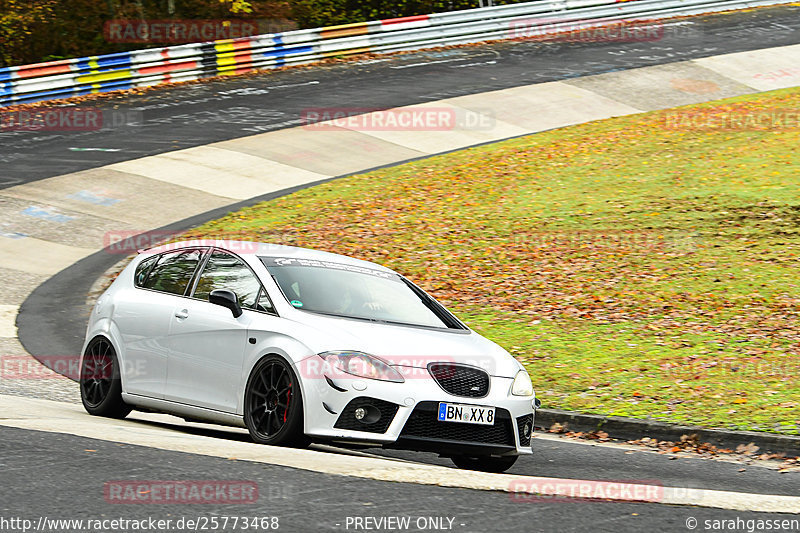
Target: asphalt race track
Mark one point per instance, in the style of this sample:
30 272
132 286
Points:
60 475
303 501
170 119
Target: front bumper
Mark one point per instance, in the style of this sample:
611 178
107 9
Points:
408 416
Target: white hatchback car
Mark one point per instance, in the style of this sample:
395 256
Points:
299 345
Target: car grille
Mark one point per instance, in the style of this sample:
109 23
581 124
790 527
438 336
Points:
521 421
424 423
347 419
460 380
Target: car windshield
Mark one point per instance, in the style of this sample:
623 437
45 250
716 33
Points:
356 292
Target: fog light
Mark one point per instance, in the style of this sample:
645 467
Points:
526 430
367 414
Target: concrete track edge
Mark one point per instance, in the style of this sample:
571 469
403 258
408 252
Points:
164 432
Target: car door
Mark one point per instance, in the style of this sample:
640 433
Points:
207 343
143 315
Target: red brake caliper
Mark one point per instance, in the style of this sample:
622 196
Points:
288 397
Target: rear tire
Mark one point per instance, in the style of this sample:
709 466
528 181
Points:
485 463
100 382
273 404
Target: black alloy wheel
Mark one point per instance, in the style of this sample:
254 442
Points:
274 404
100 383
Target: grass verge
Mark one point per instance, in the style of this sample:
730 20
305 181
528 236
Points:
641 266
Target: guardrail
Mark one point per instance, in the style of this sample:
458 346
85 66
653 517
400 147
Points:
142 68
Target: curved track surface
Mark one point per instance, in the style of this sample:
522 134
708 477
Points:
304 501
194 115
181 117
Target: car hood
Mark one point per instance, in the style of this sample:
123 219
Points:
406 345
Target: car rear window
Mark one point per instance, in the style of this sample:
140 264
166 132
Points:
173 271
143 270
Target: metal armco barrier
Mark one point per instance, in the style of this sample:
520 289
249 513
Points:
143 68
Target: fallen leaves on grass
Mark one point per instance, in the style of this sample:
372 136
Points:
688 238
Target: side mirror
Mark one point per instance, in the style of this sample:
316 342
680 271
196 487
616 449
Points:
226 298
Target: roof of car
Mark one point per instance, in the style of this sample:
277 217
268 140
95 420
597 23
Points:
263 249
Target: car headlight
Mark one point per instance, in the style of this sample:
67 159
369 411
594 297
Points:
522 385
362 365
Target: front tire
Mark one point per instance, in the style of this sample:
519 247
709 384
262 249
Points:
100 382
273 404
485 463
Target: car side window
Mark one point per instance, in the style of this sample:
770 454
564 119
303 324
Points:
225 271
173 271
142 270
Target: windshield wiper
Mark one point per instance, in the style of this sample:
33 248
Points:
368 319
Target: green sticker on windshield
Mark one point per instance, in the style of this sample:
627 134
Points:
296 303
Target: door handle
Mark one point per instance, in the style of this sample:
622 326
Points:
183 313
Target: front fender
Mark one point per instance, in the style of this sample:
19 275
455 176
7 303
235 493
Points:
270 343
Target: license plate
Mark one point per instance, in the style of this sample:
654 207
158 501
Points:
468 414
